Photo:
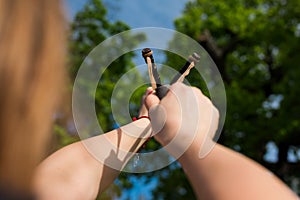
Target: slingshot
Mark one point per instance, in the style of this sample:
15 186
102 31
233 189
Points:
161 90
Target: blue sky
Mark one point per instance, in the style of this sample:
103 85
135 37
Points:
137 13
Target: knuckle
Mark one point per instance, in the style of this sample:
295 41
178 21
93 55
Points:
216 112
177 86
197 90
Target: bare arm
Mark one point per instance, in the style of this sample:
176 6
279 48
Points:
222 174
74 173
225 174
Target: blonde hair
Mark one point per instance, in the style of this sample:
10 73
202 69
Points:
32 54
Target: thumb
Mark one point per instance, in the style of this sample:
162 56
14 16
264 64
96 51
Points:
157 113
151 100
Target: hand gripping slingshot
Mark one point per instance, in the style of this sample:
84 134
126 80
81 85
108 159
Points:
161 90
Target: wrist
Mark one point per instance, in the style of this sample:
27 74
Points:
187 145
199 149
179 144
129 137
139 129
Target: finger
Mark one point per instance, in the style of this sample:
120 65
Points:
151 100
149 91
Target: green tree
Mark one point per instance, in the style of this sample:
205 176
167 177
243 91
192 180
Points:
255 45
89 29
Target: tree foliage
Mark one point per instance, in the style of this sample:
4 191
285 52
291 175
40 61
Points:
89 29
255 45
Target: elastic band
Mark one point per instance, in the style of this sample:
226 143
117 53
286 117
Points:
152 91
141 117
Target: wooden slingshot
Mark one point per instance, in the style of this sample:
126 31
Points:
161 90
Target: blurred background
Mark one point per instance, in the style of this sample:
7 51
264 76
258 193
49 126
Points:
255 45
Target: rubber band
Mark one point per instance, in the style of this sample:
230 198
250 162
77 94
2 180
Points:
151 92
141 117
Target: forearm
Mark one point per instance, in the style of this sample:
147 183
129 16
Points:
75 173
120 146
225 174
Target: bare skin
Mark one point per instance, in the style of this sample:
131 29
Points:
222 174
74 173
